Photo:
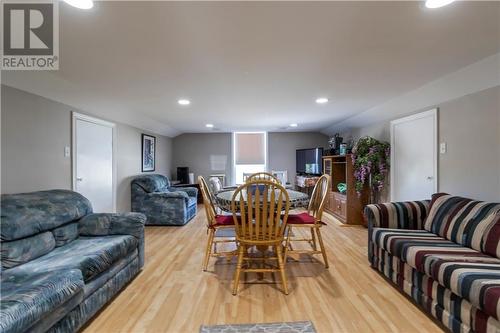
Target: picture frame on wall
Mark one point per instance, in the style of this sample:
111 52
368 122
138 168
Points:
148 153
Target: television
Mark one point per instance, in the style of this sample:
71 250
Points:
308 161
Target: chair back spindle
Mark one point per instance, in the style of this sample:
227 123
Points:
263 207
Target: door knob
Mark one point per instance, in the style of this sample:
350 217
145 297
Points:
79 179
430 178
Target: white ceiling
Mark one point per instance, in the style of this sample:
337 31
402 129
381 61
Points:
255 65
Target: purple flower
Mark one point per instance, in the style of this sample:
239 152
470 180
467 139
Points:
371 161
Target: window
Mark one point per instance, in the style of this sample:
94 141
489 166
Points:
249 154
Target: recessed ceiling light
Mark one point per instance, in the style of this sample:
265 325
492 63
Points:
82 4
209 125
322 100
437 3
293 125
184 102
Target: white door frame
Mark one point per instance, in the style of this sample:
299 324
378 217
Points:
434 114
79 116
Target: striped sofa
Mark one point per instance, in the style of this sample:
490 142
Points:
444 253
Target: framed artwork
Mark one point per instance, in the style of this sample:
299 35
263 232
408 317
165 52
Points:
148 153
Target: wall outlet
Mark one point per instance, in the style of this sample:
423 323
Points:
442 148
67 151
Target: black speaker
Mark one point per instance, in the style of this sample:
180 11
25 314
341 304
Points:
183 175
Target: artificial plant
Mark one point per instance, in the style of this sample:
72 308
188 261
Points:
371 159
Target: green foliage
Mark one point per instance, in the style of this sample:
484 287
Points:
371 159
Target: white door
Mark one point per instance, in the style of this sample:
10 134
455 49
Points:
93 161
414 157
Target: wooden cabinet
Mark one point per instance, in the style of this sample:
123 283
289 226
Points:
346 207
339 207
343 208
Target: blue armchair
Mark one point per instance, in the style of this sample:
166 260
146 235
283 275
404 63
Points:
163 204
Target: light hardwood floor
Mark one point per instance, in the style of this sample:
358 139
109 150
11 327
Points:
172 294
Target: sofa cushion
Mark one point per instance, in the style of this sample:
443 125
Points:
26 298
412 245
468 273
28 214
461 220
152 183
473 276
91 255
104 224
491 238
20 251
65 234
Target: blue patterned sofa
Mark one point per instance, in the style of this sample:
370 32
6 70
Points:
163 204
444 254
60 263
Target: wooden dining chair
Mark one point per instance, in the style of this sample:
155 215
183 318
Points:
214 184
246 175
215 222
312 220
261 209
263 176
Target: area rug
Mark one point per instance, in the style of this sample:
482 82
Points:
290 327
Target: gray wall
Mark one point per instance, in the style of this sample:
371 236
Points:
195 150
129 163
198 150
470 125
282 146
35 131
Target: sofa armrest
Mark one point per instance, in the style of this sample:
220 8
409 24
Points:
161 197
168 195
104 224
398 215
190 191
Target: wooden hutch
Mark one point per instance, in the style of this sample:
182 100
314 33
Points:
348 207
